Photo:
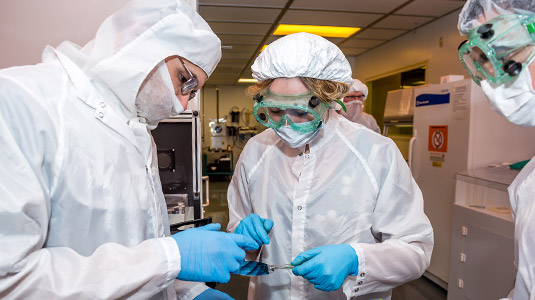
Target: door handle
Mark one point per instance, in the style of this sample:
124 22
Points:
411 148
206 179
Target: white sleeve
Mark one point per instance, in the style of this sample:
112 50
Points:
239 202
30 271
403 230
522 196
188 290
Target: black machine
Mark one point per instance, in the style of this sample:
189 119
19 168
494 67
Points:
178 143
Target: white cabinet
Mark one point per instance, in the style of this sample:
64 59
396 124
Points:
482 247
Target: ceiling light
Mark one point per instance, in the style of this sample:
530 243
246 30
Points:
247 80
325 31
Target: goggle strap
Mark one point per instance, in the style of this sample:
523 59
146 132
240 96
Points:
341 104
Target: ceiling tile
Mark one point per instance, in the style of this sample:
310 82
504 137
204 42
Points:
229 28
352 51
233 39
372 6
402 22
380 34
435 8
230 54
242 48
232 66
236 61
241 14
263 3
225 73
227 70
362 43
220 81
335 40
272 38
328 18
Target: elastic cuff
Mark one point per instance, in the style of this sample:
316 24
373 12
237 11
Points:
360 276
172 255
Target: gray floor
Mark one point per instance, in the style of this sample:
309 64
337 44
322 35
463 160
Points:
420 289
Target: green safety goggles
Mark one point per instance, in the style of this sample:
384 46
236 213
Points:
498 50
303 112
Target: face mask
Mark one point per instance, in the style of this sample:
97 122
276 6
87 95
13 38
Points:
354 108
296 139
156 99
514 100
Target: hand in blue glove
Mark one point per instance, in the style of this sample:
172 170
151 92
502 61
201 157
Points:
327 267
209 255
211 294
256 228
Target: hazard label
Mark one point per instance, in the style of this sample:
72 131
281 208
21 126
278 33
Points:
438 138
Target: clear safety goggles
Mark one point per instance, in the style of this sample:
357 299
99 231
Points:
303 112
498 50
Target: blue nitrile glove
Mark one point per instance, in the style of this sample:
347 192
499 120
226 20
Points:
256 228
211 294
327 267
209 255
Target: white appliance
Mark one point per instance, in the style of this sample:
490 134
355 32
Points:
397 120
455 129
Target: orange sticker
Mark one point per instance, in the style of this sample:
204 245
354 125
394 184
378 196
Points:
438 138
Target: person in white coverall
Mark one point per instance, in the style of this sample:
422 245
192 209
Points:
511 92
354 103
82 214
332 198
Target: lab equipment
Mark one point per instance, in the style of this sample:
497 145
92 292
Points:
254 268
327 266
256 228
302 55
455 129
218 132
498 50
178 144
482 234
210 264
398 118
302 112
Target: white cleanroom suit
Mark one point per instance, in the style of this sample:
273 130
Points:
82 214
353 187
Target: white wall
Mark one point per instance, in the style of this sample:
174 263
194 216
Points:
416 47
27 26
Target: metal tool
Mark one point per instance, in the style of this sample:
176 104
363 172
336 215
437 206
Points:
254 268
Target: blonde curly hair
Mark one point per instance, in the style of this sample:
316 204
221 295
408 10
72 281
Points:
326 90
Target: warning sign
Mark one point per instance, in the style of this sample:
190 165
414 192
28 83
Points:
438 138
